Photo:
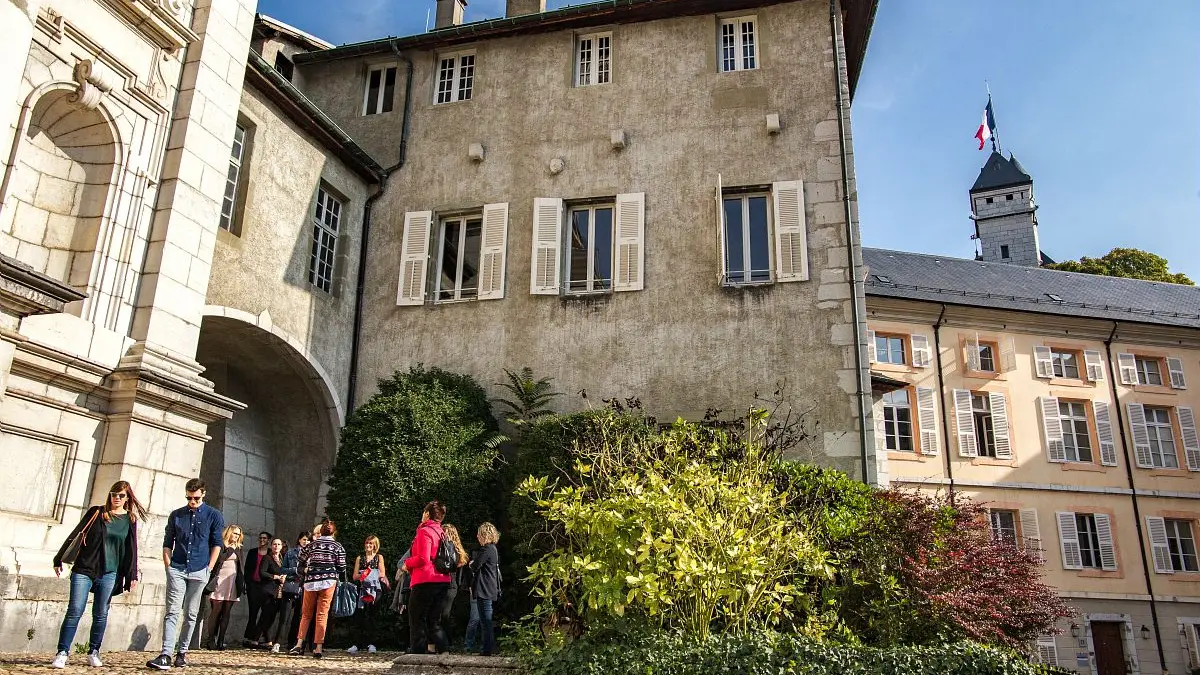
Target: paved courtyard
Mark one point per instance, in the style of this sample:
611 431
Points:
209 663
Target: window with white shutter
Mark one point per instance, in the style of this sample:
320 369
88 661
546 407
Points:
965 423
922 355
1156 528
547 239
1141 437
1031 531
1052 433
493 251
1181 545
1187 433
1008 355
1043 366
1094 362
1002 443
898 421
1047 650
1068 539
630 259
1104 534
1175 369
1104 433
927 419
791 236
871 346
414 258
971 352
1190 630
1127 365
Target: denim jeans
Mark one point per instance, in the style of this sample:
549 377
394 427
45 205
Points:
81 585
472 625
183 598
485 624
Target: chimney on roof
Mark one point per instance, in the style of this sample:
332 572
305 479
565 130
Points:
449 13
521 7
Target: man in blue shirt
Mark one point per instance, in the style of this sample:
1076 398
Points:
191 546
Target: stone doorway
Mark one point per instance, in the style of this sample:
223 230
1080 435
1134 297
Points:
1109 646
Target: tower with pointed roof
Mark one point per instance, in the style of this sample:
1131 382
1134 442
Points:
1004 212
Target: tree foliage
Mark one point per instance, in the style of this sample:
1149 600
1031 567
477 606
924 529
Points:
528 399
1131 263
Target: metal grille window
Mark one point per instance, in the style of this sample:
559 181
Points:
593 59
747 239
232 178
1148 371
458 258
1004 526
1182 546
590 260
897 421
985 434
889 349
1089 540
381 90
326 217
1066 364
1162 438
456 78
739 48
1076 436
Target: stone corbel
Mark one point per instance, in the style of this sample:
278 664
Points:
94 80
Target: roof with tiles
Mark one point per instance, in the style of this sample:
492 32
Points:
998 173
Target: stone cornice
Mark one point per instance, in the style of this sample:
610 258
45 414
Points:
24 291
164 22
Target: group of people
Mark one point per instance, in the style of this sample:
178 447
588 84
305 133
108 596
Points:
287 589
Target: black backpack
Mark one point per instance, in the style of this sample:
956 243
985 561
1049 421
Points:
446 560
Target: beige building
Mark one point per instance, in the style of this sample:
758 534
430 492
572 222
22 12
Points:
1068 403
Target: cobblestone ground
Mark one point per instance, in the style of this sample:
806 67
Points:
234 661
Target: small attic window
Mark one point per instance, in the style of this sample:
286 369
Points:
284 65
1008 198
990 200
883 279
1055 297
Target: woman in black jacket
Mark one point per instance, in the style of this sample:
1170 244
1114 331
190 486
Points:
272 574
105 565
226 585
485 586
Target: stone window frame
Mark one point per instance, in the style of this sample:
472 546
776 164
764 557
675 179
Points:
459 63
731 35
65 477
599 69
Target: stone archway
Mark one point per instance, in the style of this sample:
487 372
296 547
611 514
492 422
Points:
266 467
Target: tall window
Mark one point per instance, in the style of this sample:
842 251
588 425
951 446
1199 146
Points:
985 433
987 357
456 78
1089 540
747 240
890 349
232 178
1076 436
458 258
381 90
327 217
1182 545
739 48
593 59
1004 526
1066 364
1148 371
897 421
1162 438
590 262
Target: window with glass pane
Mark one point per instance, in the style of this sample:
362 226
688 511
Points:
1182 545
1089 540
985 434
232 177
381 90
897 421
1004 526
456 78
1076 436
1148 371
747 240
738 44
593 59
1162 438
987 358
458 258
1066 364
327 217
590 260
890 349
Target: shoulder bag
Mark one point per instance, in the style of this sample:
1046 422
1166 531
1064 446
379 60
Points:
76 545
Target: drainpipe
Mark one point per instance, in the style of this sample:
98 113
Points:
1113 370
937 362
853 253
360 287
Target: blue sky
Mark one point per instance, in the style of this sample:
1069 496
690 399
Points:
1101 105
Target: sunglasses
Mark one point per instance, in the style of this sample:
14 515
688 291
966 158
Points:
195 499
118 495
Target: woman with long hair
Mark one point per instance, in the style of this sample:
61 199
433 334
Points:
323 561
456 577
104 565
370 573
485 588
272 576
429 586
289 607
226 585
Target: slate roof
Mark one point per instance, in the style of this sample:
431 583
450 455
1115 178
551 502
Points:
958 281
998 173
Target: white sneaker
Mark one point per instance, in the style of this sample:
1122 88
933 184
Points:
353 649
370 649
275 648
94 660
60 660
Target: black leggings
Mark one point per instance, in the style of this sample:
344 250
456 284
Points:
288 605
425 617
221 609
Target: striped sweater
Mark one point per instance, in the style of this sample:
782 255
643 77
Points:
323 559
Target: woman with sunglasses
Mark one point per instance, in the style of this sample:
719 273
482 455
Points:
106 565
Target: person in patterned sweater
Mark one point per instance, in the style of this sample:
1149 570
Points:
322 561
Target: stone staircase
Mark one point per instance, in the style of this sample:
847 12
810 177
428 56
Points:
453 664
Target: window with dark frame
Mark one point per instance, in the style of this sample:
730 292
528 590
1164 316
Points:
459 248
1089 540
985 434
1182 544
1162 438
1149 371
593 59
739 49
232 179
1077 438
284 66
898 421
1066 363
589 263
456 78
381 90
747 239
1004 525
327 217
890 349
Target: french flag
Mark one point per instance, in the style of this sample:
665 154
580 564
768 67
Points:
988 126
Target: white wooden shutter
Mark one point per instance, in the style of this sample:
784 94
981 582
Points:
1191 442
1008 356
1000 425
1141 436
922 355
1031 532
1056 450
1104 534
1157 529
1068 539
1192 635
871 356
1094 363
547 241
414 258
1047 650
1108 447
927 418
1127 364
1043 363
492 251
629 271
791 237
971 354
1175 368
965 423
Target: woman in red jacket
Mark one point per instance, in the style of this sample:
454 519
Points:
429 586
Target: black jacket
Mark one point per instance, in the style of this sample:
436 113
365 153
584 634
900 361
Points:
271 569
240 581
485 566
251 562
91 558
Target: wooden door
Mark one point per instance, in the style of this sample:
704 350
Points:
1110 648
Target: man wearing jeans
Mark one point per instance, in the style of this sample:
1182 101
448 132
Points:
190 548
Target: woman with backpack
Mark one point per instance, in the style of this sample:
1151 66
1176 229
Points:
226 585
102 553
429 584
456 577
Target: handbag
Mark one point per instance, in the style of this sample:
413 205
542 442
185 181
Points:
76 544
345 599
